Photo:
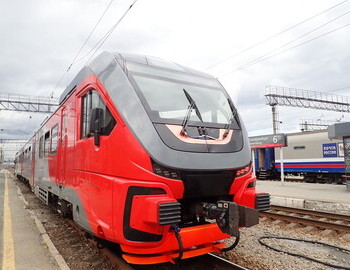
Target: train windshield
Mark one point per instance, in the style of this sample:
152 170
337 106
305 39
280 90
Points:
163 95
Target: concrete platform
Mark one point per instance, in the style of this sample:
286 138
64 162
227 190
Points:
21 244
324 197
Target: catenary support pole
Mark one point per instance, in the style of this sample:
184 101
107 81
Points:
253 161
282 167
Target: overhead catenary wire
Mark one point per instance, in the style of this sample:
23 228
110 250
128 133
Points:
309 32
82 47
273 36
92 31
339 89
108 33
288 49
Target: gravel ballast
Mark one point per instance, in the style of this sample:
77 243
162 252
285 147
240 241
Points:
251 254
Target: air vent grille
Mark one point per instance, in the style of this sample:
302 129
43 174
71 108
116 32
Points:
169 213
263 201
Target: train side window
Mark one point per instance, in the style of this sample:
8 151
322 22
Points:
47 143
54 139
85 115
93 100
299 147
41 147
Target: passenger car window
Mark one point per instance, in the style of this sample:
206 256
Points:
41 147
54 139
93 100
46 143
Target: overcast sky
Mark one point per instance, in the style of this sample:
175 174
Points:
40 38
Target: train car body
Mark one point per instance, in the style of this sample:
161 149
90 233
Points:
142 152
309 154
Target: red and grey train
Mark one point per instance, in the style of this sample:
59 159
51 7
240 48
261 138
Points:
147 154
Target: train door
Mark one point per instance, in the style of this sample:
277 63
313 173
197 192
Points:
261 158
256 159
269 158
32 164
64 144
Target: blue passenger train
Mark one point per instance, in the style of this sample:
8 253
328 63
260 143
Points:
308 154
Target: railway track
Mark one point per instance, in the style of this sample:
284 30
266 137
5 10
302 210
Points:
319 219
206 262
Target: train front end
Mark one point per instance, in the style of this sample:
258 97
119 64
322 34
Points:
200 188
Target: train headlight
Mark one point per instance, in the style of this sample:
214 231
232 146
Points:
165 172
244 170
251 184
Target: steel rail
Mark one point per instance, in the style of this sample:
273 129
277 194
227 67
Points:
307 221
223 264
316 213
205 262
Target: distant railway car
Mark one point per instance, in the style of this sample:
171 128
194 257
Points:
265 163
308 154
144 153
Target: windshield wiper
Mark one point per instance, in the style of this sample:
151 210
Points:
233 115
189 110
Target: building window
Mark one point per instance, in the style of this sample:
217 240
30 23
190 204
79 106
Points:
54 139
90 101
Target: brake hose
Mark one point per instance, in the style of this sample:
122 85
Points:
235 243
176 229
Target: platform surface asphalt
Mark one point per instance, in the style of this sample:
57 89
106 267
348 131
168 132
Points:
308 191
21 246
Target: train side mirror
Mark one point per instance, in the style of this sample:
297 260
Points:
96 119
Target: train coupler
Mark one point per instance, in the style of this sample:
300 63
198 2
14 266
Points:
229 216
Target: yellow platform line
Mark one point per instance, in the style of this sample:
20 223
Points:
8 261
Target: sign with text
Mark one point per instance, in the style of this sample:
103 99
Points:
266 141
330 150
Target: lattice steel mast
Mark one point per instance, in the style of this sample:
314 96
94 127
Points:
9 147
312 124
26 103
284 96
